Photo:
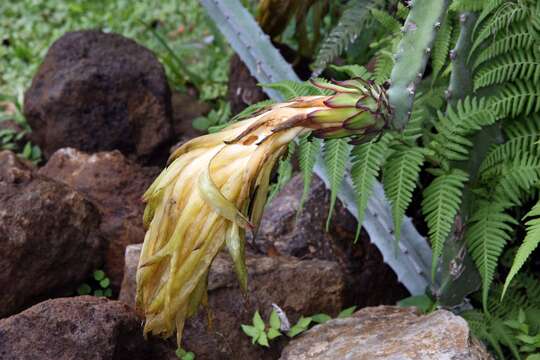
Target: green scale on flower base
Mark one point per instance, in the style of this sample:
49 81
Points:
359 109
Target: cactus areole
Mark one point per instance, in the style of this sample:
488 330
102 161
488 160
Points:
215 188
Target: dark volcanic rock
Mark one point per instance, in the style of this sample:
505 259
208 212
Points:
97 91
75 328
115 185
299 287
370 280
49 235
389 333
242 88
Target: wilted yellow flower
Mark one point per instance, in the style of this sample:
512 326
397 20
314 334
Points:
215 188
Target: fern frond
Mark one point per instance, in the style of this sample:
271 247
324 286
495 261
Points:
390 24
284 172
523 65
515 178
489 230
307 155
518 38
523 137
530 243
252 109
519 98
467 5
401 173
367 160
290 89
440 205
383 66
353 70
336 153
460 121
507 14
441 46
352 22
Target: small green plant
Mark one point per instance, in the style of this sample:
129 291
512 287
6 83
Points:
98 285
215 120
259 332
13 138
184 355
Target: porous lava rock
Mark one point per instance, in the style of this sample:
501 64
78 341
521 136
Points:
115 185
304 235
82 328
99 91
49 235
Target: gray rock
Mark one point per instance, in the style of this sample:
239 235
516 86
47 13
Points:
370 281
76 328
49 236
388 333
99 91
299 287
115 186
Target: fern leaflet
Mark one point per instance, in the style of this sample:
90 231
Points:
367 160
308 151
524 65
532 239
489 230
401 173
519 98
336 153
442 199
441 46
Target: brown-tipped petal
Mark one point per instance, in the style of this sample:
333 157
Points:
296 120
333 87
342 100
332 115
360 121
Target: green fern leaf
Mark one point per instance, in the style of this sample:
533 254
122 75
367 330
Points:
387 22
523 137
523 65
336 153
440 205
383 66
506 15
252 109
516 38
488 231
515 178
401 173
467 5
291 89
519 98
308 151
441 47
456 126
284 172
367 160
532 239
353 71
352 22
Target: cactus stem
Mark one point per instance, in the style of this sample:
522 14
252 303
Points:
412 56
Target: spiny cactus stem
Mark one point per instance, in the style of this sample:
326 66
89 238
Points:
461 77
412 55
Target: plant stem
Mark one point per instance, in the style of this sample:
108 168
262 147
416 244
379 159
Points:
414 50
